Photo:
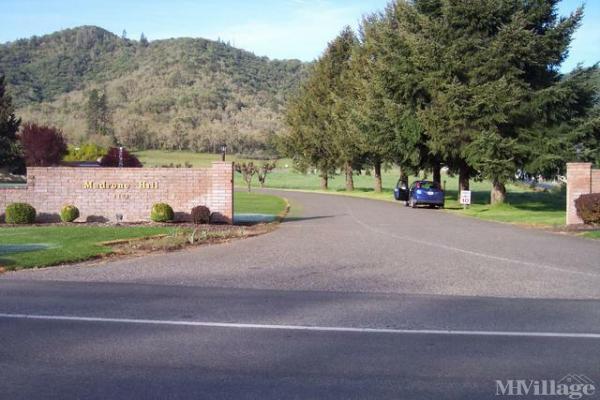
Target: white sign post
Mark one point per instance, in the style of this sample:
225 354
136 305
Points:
465 198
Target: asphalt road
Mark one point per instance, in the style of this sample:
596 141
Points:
348 299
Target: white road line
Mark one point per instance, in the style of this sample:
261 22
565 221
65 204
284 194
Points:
468 252
337 329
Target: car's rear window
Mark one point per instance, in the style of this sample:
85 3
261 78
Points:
428 185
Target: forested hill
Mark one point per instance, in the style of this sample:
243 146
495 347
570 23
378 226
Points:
176 93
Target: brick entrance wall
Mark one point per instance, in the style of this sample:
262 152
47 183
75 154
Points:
581 179
102 193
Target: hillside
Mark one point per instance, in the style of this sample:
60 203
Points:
174 94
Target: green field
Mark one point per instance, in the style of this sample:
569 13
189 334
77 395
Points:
258 203
592 235
524 205
159 158
26 247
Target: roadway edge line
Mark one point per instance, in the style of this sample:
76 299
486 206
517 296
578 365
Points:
307 328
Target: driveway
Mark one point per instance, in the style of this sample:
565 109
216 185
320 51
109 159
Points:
336 243
348 299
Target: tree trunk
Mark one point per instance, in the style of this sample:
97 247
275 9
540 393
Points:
463 179
437 173
349 178
324 182
498 195
378 184
403 177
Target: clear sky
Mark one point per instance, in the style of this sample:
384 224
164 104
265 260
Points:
274 28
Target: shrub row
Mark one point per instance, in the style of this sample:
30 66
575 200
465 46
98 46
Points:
162 212
23 213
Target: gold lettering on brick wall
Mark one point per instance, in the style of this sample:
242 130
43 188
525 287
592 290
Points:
148 185
118 186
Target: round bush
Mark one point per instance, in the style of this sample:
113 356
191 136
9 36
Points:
19 213
201 215
162 212
69 213
588 208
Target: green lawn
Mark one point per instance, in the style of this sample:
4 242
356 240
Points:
524 205
39 246
592 235
258 203
158 158
26 247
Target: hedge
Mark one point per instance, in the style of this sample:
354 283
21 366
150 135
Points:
162 212
69 213
20 213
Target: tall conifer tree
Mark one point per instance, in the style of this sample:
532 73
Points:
315 116
10 152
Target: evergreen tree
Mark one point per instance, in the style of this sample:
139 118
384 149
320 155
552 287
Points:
93 112
388 95
143 40
10 152
345 137
569 128
315 115
104 116
98 116
487 66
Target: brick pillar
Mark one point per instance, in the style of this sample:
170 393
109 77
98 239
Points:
222 191
579 181
595 180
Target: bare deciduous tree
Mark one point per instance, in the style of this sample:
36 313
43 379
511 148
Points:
248 170
265 169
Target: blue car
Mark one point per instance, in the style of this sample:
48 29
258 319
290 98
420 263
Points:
420 193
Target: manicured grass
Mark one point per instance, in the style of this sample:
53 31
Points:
592 235
258 203
524 205
26 247
40 246
158 158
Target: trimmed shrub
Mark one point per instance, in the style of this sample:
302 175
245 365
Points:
162 212
86 152
588 208
69 213
201 215
19 213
